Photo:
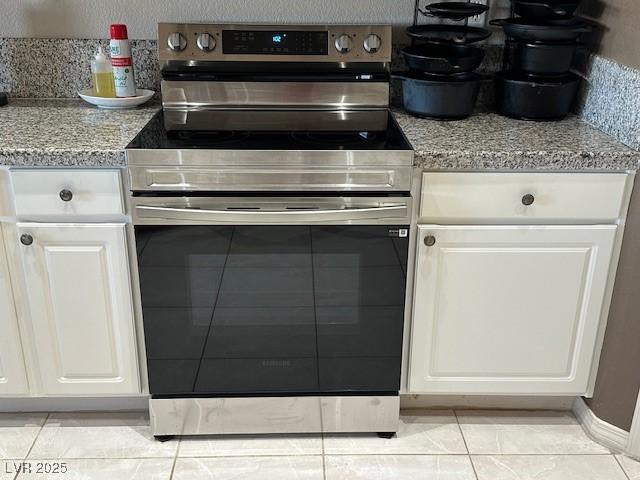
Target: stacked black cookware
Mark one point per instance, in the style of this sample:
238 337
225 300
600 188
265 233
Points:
542 39
441 81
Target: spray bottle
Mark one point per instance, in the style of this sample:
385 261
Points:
122 61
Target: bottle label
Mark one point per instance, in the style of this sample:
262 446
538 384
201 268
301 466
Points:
122 62
124 81
122 68
119 48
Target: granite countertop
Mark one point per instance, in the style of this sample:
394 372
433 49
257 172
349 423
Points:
488 141
72 133
67 133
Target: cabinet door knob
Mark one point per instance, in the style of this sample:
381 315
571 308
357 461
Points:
26 239
429 240
528 199
66 195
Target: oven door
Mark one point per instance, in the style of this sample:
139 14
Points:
272 296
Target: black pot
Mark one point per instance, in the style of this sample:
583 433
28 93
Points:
440 33
440 96
529 30
456 11
442 58
545 9
541 58
532 97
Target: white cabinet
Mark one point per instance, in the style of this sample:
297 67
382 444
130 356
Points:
77 285
508 309
13 379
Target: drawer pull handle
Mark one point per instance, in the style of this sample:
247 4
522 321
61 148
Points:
429 240
26 239
528 199
66 195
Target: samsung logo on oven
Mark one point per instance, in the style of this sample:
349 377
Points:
276 363
399 232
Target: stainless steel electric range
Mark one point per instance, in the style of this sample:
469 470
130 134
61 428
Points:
271 204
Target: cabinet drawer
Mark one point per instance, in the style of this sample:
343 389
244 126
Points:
522 197
86 192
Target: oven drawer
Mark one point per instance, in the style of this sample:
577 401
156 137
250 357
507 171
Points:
522 197
270 179
41 192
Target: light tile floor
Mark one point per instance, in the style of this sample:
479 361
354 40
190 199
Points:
431 445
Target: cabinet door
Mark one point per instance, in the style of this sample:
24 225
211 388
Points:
508 309
13 379
78 286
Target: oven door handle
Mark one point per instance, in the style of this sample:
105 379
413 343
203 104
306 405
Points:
271 216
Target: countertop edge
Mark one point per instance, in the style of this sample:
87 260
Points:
595 150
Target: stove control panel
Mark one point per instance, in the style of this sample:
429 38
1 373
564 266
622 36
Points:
297 43
274 42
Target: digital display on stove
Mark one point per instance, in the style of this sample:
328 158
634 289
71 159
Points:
283 42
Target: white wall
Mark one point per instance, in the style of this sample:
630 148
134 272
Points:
91 18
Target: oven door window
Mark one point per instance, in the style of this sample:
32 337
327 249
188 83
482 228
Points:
272 309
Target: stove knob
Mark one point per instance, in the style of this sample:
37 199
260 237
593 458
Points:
206 42
343 43
177 42
372 43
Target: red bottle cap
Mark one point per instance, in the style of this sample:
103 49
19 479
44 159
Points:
118 31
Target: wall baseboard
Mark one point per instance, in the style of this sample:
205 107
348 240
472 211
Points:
407 401
75 404
602 432
500 402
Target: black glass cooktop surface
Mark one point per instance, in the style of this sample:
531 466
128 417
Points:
155 136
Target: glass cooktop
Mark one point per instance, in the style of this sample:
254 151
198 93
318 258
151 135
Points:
155 136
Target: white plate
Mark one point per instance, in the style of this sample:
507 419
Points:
126 102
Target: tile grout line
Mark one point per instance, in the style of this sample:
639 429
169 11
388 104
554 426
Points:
396 454
37 435
324 462
175 458
464 440
538 454
268 455
133 458
173 467
620 465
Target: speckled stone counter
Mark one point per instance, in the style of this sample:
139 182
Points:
487 141
57 133
67 133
